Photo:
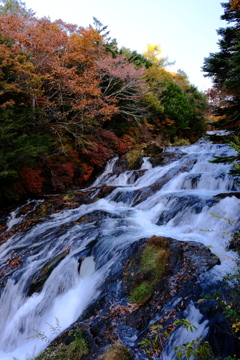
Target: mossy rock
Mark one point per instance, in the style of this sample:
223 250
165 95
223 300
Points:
69 197
77 350
141 293
155 255
152 149
180 142
133 158
43 210
146 269
235 242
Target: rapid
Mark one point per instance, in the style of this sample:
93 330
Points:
177 200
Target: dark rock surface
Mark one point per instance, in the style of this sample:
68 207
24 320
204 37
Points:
152 149
165 158
41 276
113 318
136 196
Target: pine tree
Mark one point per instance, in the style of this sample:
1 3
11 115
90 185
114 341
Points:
224 67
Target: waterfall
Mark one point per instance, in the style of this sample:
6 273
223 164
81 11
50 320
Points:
178 200
15 217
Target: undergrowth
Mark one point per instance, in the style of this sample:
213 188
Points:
76 350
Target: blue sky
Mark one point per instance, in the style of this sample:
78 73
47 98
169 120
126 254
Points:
185 29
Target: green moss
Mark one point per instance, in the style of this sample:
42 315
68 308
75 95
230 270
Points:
43 210
69 197
133 155
76 350
117 352
141 293
148 269
154 259
180 142
155 256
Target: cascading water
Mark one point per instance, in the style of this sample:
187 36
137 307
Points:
175 200
15 217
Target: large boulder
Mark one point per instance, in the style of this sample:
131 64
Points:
174 272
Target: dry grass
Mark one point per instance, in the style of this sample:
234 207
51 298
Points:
117 352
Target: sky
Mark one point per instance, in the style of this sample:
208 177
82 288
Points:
184 29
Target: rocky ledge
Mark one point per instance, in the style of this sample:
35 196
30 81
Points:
153 283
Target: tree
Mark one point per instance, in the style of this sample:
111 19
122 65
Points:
235 5
70 100
15 7
121 84
62 64
22 144
176 108
139 60
224 66
49 84
180 77
197 124
156 81
152 53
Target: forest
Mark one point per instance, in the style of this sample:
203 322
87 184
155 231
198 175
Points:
138 259
71 99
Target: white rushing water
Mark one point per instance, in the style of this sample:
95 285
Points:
183 208
15 217
183 334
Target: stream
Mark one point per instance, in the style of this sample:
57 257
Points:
178 200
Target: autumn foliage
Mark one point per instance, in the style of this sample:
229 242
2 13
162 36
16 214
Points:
30 181
70 100
235 5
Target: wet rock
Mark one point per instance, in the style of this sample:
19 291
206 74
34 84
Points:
136 174
104 191
235 242
112 317
39 279
120 165
152 149
139 195
179 204
143 193
220 138
136 164
26 225
96 215
224 195
126 197
165 158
